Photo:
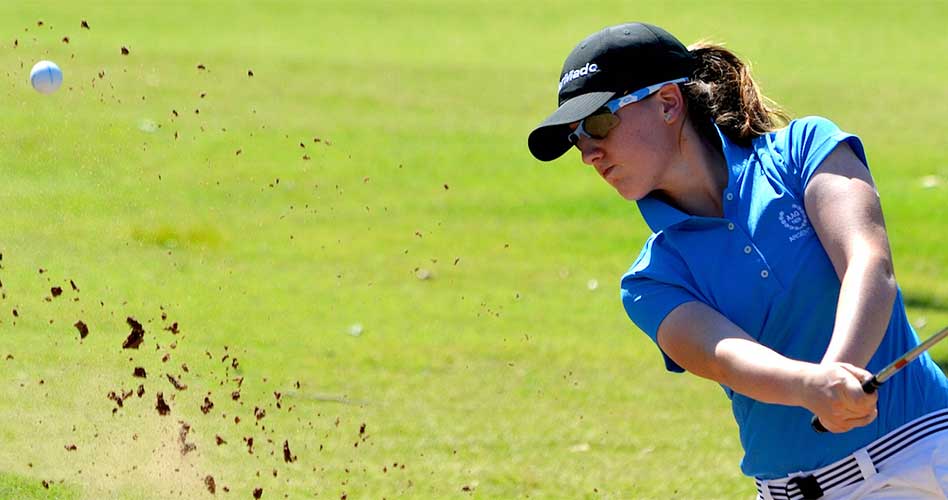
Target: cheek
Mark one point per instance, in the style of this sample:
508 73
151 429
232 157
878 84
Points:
643 152
643 143
640 126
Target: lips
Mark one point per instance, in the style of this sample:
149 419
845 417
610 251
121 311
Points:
605 173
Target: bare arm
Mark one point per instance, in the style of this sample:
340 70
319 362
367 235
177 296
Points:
709 345
843 206
706 343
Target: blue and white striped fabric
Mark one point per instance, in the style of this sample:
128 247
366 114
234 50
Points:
860 466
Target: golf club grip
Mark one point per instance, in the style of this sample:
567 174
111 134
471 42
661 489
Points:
868 387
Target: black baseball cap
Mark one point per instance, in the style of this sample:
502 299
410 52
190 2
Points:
610 63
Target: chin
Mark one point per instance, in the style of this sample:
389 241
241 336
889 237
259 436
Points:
630 196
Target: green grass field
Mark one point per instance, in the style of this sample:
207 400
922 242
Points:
285 219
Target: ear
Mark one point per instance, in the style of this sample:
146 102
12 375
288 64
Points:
671 103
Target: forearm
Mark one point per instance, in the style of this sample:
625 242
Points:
844 208
863 310
760 373
707 344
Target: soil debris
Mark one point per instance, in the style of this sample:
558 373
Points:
161 406
176 382
206 407
288 457
136 336
186 447
83 329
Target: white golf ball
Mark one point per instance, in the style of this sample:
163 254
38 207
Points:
46 77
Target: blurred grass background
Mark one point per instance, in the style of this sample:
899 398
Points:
285 219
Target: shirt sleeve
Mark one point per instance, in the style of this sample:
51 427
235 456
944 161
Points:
809 140
649 294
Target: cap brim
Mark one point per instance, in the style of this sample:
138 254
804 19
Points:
551 138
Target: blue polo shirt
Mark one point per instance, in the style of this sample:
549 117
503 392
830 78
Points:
763 267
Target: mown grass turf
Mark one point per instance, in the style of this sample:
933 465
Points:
169 193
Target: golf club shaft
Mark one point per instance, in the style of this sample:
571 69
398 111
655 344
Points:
893 367
870 386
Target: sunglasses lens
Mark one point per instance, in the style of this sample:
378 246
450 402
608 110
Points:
598 126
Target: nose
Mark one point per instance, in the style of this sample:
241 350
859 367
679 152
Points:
590 151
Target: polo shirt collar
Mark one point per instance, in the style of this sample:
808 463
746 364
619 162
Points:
659 215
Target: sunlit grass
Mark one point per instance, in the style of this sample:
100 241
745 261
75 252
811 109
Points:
286 219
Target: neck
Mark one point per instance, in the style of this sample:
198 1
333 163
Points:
697 177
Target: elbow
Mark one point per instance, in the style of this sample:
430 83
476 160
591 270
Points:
880 271
891 286
886 276
697 358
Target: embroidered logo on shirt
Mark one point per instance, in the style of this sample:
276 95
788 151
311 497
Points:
796 221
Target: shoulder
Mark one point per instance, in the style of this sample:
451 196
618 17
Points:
653 287
655 261
803 133
799 148
659 264
809 124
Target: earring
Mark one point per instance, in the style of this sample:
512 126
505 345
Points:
667 116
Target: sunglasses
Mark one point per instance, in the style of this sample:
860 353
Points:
598 124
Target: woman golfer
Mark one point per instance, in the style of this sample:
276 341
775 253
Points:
768 270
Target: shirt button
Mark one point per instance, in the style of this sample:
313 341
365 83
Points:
764 274
747 249
730 196
730 226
